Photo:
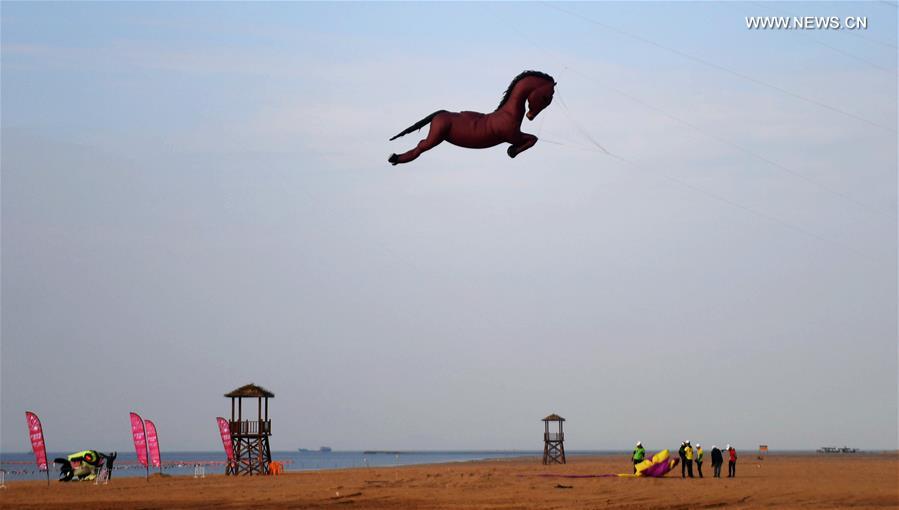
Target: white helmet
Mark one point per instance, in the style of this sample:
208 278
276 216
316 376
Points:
728 447
639 443
698 445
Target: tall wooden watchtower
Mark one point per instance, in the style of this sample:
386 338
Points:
553 442
249 438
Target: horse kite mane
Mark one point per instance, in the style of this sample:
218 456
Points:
520 77
529 93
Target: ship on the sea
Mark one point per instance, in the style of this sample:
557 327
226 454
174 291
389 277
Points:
323 449
834 449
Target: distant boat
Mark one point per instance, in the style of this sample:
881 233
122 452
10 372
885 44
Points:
834 449
323 449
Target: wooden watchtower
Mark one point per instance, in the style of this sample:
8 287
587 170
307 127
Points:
249 438
553 442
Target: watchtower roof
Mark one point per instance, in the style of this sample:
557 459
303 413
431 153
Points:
251 391
553 417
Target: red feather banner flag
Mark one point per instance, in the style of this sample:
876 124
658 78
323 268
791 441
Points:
139 433
36 433
153 444
225 431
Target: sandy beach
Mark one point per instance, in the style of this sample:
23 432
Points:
781 481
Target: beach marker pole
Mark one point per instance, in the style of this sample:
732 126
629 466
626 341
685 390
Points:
2 479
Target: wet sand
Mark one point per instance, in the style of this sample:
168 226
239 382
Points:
781 481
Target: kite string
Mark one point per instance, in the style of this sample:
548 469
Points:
696 189
720 67
867 208
720 198
543 117
685 184
581 129
739 147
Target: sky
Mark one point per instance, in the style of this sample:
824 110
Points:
196 196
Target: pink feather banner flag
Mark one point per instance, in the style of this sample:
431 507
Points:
153 444
36 434
225 432
139 434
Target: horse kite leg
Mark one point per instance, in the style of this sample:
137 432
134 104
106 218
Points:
436 134
525 142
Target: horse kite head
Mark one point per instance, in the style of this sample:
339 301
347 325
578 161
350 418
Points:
542 87
540 98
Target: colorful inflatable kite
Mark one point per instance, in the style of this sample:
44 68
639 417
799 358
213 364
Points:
84 465
475 130
658 466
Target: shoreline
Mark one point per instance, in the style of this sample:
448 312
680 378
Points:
133 470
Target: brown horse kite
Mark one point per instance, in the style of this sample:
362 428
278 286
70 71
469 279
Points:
476 130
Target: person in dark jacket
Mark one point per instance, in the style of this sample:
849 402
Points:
639 455
717 460
683 459
731 462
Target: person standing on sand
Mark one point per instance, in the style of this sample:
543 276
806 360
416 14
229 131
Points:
639 455
717 460
688 454
699 454
731 462
683 459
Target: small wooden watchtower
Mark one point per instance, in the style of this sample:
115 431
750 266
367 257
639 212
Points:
553 442
249 438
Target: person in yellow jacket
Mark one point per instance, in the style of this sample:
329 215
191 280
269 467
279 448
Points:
639 455
699 454
688 455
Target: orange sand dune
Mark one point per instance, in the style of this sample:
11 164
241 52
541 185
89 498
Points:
781 481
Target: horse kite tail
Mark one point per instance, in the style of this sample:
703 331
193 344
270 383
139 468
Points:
418 125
